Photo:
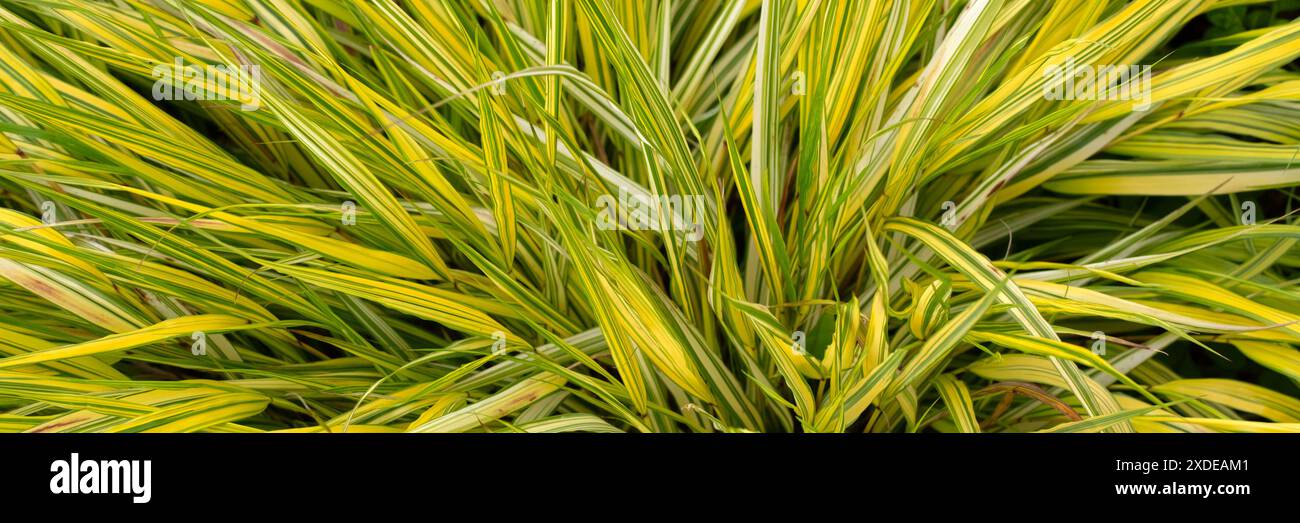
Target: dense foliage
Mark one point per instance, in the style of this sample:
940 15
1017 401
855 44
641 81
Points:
649 215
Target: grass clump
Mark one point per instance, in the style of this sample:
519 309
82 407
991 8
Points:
649 216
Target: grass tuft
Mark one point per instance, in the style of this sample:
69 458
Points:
649 216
